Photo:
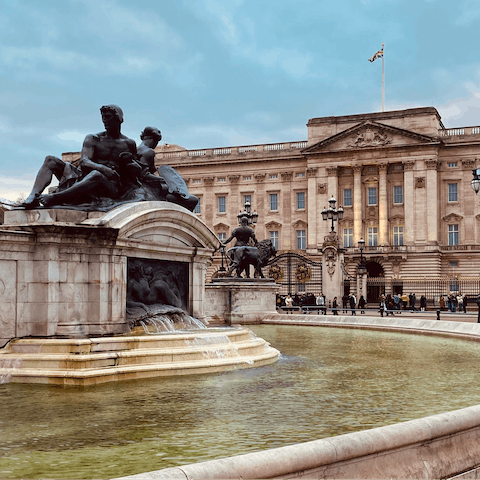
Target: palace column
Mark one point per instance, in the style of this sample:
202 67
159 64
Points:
208 199
259 204
286 210
432 206
409 206
382 205
312 210
332 182
357 203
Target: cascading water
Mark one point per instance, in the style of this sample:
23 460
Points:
12 365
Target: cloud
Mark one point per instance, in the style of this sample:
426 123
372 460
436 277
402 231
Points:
72 137
462 112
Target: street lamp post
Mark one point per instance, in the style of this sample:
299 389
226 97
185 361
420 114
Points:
331 213
247 213
361 246
361 270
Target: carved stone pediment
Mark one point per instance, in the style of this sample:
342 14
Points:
369 134
220 227
273 225
452 217
299 224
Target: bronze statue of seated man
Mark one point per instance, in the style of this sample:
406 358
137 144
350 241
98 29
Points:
107 165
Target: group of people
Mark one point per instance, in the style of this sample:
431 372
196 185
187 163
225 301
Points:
454 302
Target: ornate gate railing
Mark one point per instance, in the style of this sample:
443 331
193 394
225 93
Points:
295 274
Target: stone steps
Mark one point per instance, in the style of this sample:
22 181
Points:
91 361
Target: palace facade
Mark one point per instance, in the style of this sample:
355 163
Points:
402 178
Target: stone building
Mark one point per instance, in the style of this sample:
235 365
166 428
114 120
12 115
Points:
403 181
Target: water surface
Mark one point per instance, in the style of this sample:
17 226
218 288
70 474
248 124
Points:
327 382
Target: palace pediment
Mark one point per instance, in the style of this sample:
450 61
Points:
452 217
221 227
368 135
273 225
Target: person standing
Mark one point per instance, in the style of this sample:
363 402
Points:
465 303
345 300
361 304
335 306
423 303
353 303
478 304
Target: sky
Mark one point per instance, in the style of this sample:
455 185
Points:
215 73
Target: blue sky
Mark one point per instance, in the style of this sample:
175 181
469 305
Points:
212 73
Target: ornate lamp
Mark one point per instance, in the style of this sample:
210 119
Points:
361 268
476 180
331 213
247 213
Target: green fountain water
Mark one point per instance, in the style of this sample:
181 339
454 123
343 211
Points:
327 382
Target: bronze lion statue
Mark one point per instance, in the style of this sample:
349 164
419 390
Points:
243 257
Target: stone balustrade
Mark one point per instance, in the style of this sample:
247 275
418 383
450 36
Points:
452 132
233 151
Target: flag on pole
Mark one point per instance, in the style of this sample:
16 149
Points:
379 54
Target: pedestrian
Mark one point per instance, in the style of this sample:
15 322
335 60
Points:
335 306
478 304
288 301
465 302
382 307
460 302
345 301
423 303
404 298
441 303
321 303
361 304
397 301
353 303
413 300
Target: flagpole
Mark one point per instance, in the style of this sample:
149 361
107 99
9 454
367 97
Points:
383 78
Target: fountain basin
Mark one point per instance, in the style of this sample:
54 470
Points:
82 362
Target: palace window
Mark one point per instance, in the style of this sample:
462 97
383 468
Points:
452 192
197 180
372 195
222 236
300 174
198 207
273 176
222 179
247 198
347 197
247 177
348 237
274 238
398 235
300 200
301 240
222 204
453 234
452 164
274 202
398 194
372 236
